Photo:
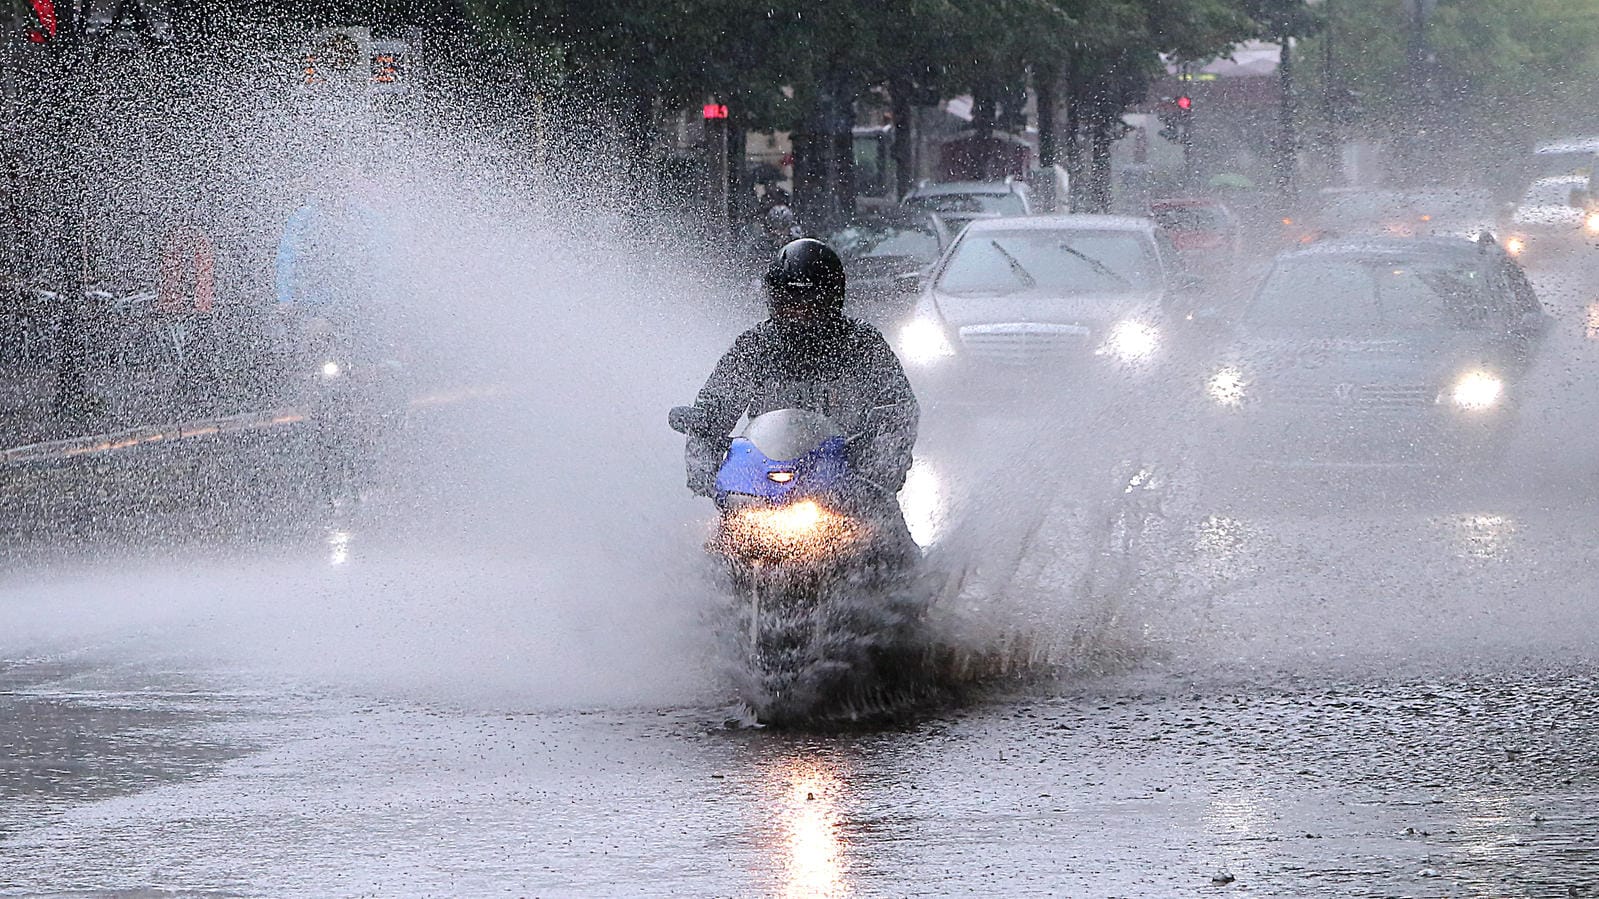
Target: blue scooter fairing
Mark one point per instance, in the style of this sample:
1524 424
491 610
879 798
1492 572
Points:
749 472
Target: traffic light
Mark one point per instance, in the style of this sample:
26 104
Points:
390 67
1176 117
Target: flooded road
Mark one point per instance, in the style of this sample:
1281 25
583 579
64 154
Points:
1387 693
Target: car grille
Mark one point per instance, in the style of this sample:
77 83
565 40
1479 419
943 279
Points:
1024 343
1356 396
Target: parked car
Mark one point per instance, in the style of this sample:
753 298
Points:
885 256
1376 351
1440 212
1201 228
1029 300
959 202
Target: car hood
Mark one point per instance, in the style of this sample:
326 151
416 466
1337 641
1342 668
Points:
1418 359
1548 216
1090 310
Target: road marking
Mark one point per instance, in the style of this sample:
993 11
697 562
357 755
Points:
93 444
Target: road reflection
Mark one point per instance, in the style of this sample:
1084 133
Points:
1482 537
924 503
810 818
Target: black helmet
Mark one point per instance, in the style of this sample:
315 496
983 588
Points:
806 273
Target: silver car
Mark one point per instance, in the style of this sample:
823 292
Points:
959 202
1018 295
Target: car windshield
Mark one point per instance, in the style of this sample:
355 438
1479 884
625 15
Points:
1062 261
992 203
887 239
1189 218
1552 192
1566 162
1337 297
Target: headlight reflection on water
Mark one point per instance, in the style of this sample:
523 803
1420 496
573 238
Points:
1482 537
1226 387
815 852
924 504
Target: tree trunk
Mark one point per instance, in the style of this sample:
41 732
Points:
1099 171
985 110
1285 163
68 92
1074 131
904 150
1045 78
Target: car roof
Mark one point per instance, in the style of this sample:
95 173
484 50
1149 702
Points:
1569 145
1062 223
966 187
1389 248
1175 202
1562 179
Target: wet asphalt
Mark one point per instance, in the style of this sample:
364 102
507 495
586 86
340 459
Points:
1385 692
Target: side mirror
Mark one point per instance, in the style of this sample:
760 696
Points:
1187 283
686 419
908 282
1530 324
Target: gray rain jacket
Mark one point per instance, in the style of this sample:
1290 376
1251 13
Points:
838 367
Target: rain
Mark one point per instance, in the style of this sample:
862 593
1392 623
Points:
1045 448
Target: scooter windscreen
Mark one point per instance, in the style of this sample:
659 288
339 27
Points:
783 453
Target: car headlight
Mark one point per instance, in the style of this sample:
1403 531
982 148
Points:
1477 390
1227 387
1131 341
1515 246
922 342
331 370
1590 223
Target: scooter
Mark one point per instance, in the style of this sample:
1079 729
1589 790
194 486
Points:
815 616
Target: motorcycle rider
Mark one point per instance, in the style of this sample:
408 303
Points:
333 267
809 355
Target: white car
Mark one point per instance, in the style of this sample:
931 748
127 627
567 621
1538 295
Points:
1552 217
1016 297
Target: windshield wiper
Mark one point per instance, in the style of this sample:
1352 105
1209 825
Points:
1016 267
1098 266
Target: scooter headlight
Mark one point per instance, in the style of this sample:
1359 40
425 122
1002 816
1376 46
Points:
1477 390
798 531
1590 223
1515 246
923 342
1132 341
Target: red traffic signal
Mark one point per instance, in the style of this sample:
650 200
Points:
716 110
1185 103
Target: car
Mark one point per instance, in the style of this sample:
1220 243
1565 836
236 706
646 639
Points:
1571 156
885 255
1384 351
1201 228
1437 212
959 202
1020 300
1552 218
